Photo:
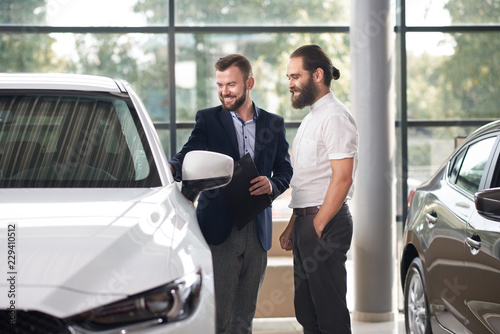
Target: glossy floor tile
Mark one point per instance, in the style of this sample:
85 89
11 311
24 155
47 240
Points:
290 326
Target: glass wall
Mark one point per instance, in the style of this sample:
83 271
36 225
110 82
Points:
451 75
270 13
440 13
446 64
83 13
197 53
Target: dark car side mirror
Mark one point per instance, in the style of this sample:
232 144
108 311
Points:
488 203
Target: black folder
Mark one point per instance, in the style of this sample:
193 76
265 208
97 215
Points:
243 206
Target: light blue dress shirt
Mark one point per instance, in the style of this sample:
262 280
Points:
245 132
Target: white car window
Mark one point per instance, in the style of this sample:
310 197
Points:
133 140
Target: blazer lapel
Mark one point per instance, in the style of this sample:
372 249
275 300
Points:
227 122
260 133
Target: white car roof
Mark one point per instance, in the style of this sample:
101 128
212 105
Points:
60 81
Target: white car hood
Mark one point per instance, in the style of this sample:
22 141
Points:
76 249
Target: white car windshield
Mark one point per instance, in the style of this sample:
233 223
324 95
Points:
78 140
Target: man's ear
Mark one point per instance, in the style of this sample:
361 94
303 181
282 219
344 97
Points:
318 75
250 83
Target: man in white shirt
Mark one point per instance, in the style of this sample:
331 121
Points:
325 153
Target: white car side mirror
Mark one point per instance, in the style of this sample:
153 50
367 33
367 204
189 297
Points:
205 170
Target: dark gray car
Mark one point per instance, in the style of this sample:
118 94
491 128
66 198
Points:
450 265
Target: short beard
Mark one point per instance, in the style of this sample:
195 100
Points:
237 104
307 95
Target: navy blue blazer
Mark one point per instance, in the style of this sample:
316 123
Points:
214 131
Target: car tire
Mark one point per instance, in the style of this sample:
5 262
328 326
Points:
417 315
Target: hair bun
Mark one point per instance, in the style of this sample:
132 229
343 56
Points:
336 73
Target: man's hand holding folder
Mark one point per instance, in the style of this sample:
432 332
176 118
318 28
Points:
247 200
261 186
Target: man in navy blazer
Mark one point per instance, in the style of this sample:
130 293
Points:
235 128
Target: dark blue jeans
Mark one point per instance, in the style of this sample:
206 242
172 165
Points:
320 274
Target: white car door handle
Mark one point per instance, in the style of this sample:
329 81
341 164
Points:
463 205
431 218
474 244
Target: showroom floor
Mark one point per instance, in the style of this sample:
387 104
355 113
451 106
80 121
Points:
291 326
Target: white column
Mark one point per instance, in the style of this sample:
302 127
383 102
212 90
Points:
374 251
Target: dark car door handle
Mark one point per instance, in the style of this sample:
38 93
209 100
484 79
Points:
431 218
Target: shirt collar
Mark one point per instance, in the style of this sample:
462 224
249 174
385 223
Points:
325 99
256 113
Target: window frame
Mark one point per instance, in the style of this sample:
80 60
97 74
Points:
461 156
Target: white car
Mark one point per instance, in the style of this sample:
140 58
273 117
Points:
95 235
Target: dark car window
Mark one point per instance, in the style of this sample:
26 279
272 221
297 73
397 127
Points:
457 164
49 140
473 165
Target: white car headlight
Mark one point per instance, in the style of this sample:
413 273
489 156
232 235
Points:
169 303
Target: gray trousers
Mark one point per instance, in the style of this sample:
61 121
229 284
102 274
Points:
320 274
239 268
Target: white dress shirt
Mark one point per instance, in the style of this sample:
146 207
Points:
327 133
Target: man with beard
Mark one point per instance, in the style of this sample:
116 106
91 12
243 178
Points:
236 128
325 152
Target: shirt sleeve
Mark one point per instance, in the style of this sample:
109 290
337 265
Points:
340 136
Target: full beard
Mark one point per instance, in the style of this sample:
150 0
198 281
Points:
306 97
